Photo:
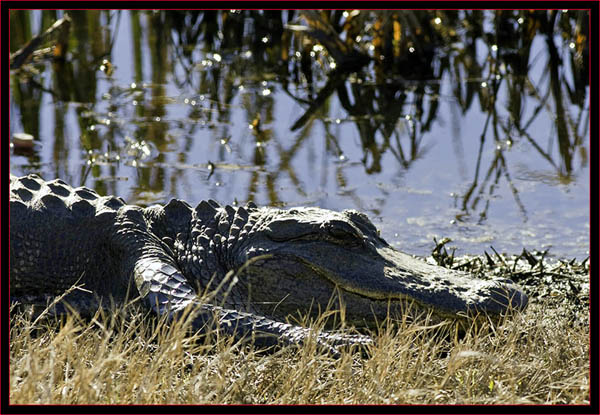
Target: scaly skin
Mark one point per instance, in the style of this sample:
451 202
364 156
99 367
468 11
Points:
262 265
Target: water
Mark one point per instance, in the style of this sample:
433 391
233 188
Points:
186 133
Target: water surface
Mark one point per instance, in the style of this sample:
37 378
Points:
481 137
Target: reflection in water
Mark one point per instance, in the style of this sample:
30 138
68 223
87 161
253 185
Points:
388 76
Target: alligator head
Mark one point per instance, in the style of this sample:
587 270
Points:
304 257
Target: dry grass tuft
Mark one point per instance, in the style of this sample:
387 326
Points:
129 357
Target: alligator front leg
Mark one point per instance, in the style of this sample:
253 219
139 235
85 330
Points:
164 289
266 333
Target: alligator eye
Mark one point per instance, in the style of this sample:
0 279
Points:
344 233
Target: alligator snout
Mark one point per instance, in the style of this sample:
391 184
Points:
390 275
449 291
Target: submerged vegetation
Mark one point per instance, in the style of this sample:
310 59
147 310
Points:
385 67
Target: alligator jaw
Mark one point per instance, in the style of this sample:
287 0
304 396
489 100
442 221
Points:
376 282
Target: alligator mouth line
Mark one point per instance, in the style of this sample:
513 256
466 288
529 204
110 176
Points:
350 295
499 295
405 300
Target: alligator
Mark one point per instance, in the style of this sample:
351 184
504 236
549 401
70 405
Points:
263 266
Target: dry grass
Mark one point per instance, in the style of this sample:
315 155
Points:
130 358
